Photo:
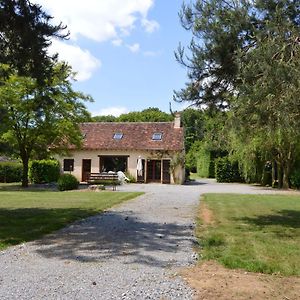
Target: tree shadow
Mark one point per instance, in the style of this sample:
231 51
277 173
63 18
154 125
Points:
27 224
195 182
285 218
17 187
116 235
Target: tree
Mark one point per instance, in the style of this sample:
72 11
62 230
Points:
33 128
268 102
244 59
108 118
193 122
25 35
221 29
151 114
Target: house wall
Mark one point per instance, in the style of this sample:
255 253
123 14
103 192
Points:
133 156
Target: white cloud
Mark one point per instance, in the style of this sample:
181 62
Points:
114 111
134 48
100 20
152 53
150 25
117 42
82 61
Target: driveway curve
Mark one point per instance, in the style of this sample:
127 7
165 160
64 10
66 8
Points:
132 251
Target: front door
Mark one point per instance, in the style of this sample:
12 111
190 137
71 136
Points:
154 171
86 169
166 171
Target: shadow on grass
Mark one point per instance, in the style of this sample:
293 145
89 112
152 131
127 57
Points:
286 218
27 224
17 187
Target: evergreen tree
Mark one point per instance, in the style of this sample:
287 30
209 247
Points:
25 35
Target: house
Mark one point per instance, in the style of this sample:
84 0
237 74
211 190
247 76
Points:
148 151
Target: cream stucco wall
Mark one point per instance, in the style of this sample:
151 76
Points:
133 156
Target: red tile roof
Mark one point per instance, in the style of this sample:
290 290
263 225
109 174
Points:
136 136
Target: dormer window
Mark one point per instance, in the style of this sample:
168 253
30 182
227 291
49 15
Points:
118 136
157 136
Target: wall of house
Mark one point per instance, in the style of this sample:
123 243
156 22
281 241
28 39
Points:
133 156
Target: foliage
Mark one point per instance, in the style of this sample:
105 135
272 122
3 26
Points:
67 182
131 178
32 127
26 216
192 156
151 114
26 31
44 171
108 118
245 229
245 59
10 172
295 179
227 171
205 164
194 126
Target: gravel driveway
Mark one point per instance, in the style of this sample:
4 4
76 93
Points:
132 251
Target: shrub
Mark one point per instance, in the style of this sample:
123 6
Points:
44 171
227 171
295 179
67 182
131 178
10 172
203 164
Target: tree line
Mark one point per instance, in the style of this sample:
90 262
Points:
243 64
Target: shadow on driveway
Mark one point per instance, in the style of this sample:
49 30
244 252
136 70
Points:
117 235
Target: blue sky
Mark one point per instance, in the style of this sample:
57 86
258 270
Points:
123 51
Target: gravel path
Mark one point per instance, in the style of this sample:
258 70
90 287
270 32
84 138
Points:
132 251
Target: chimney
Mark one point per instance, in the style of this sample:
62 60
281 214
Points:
177 120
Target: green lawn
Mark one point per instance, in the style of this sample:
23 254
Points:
28 215
259 233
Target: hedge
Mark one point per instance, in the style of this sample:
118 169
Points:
11 172
44 171
227 171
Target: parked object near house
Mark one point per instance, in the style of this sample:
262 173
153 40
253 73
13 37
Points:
148 151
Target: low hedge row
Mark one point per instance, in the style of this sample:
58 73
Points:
44 171
11 172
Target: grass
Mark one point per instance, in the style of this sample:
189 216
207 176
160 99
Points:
258 233
28 215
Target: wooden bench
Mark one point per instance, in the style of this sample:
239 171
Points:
98 178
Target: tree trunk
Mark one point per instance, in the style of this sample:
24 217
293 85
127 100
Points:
286 176
25 162
274 173
280 176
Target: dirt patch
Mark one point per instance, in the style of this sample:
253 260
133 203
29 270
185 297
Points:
213 281
206 215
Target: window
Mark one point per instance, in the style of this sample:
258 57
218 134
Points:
157 136
69 165
118 136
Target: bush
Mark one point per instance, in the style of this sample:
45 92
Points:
295 179
203 164
10 172
226 171
44 171
67 182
